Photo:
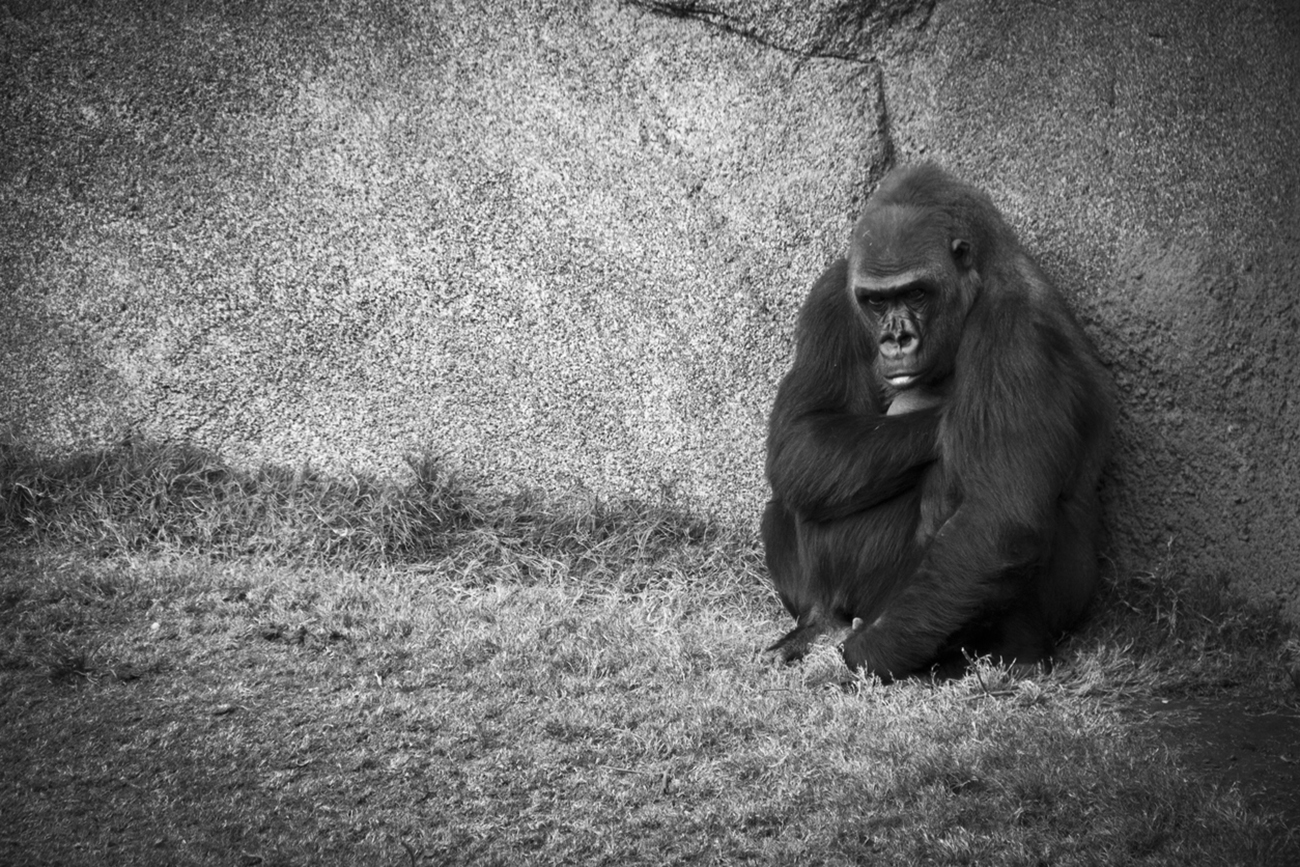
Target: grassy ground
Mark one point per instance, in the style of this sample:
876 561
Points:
201 665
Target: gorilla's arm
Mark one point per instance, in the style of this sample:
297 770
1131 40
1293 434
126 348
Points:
832 451
1024 433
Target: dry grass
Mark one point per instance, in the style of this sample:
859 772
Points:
197 667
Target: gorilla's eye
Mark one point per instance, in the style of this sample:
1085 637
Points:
915 296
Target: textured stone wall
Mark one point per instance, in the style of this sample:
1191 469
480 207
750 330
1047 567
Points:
564 243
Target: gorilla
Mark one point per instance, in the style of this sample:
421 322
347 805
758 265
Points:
935 448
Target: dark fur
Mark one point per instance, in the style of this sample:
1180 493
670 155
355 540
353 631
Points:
969 527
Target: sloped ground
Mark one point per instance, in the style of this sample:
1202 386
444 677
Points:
173 711
200 665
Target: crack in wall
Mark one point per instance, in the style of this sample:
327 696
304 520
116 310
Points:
848 23
884 126
829 26
721 19
731 24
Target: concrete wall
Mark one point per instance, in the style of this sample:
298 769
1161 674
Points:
565 243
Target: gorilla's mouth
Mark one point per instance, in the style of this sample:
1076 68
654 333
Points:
902 380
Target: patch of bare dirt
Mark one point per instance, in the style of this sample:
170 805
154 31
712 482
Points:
1238 742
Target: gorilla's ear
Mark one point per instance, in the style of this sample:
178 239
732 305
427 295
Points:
961 253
